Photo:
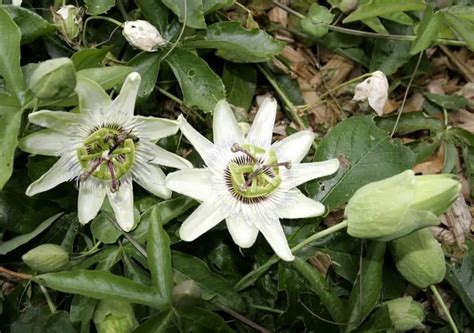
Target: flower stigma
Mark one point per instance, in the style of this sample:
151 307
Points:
252 177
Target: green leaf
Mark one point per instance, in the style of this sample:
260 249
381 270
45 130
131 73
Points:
10 122
159 254
463 28
240 81
148 65
453 102
383 7
10 59
389 55
97 7
31 24
89 58
462 12
155 12
157 324
379 321
410 122
13 243
427 31
101 285
376 25
107 77
103 230
366 291
367 154
210 6
321 287
201 87
190 12
201 320
187 267
237 44
82 309
314 21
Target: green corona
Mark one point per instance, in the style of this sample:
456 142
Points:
107 154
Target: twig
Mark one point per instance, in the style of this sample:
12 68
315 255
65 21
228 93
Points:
465 71
243 319
15 276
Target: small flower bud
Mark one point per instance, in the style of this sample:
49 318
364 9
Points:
186 293
53 79
113 316
143 35
398 205
405 314
419 258
69 21
46 258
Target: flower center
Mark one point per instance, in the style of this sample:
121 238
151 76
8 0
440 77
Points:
108 153
249 177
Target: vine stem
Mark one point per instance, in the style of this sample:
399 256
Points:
444 307
365 33
50 302
248 279
103 18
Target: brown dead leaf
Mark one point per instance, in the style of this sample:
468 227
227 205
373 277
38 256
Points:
336 70
414 103
322 262
431 166
278 15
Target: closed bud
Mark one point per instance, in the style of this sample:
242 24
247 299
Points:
46 258
405 314
114 316
186 293
143 35
399 205
53 79
419 258
69 21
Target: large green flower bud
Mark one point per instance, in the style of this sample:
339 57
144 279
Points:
405 314
398 205
53 79
114 316
46 258
419 258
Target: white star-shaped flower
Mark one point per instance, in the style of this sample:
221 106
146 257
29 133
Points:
248 181
104 147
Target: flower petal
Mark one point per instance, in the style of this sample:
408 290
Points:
164 157
59 173
91 196
261 131
301 173
225 127
295 147
275 236
194 183
125 101
56 120
204 218
122 204
297 205
202 145
155 128
243 233
152 179
44 142
91 96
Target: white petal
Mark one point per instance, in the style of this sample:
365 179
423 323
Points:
56 120
164 157
91 196
91 96
155 128
194 183
301 173
275 236
295 147
122 204
204 218
202 145
152 179
59 173
125 101
260 134
44 142
243 233
225 127
375 89
297 205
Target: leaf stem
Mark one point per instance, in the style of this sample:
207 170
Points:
51 305
444 307
103 18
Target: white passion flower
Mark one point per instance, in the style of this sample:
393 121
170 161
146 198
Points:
104 148
143 35
375 90
248 181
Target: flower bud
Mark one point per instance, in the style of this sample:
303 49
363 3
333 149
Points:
53 79
143 35
69 21
398 205
405 314
114 316
186 293
46 258
419 258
